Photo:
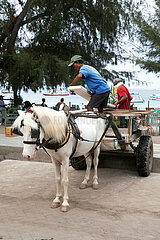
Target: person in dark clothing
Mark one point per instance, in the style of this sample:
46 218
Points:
26 105
43 104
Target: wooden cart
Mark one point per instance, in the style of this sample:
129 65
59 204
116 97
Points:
133 139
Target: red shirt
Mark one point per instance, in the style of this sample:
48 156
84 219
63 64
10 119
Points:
121 90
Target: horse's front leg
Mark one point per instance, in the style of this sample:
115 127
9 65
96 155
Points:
65 183
83 185
56 201
95 162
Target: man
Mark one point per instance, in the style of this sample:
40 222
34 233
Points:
2 104
96 84
2 107
43 104
123 94
60 105
124 99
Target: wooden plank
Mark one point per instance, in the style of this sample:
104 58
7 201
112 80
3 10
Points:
128 113
118 135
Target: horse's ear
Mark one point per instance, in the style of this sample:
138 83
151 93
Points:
21 113
34 116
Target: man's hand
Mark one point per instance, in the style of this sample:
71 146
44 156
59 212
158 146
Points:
116 104
71 91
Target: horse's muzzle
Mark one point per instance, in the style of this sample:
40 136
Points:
29 156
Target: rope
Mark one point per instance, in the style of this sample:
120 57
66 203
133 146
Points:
107 140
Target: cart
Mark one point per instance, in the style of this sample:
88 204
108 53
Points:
133 139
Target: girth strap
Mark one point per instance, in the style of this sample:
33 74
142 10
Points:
74 126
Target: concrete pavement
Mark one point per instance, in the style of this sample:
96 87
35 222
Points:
125 207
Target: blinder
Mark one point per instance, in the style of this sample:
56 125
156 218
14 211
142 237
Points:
17 132
35 133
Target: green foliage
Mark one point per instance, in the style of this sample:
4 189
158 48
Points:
10 110
112 96
149 36
37 42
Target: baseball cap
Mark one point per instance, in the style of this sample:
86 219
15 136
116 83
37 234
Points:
116 81
74 59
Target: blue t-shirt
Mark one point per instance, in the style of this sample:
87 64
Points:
94 80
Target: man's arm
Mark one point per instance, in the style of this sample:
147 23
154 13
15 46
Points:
76 79
123 98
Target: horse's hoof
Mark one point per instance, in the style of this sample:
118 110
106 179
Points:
95 186
64 208
55 204
83 186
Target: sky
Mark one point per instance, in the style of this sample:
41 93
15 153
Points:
145 79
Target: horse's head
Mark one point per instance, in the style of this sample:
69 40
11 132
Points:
26 125
39 124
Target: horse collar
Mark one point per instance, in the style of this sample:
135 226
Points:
56 145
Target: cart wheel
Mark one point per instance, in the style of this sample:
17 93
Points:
144 156
78 163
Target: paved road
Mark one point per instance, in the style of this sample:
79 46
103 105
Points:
125 207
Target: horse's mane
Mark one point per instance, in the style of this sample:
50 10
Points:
53 122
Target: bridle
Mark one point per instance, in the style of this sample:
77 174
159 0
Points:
35 133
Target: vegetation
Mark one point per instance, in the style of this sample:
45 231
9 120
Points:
149 37
37 38
112 96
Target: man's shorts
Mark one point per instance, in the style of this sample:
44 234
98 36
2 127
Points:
99 100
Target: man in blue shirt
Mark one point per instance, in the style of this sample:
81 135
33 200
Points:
97 85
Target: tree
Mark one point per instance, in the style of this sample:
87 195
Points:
149 36
39 37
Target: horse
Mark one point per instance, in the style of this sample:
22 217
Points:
50 129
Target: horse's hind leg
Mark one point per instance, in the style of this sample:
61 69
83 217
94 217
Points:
56 201
87 174
95 162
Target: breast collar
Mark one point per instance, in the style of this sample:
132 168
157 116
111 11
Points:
56 145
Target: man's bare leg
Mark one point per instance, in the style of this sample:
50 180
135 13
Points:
100 110
89 109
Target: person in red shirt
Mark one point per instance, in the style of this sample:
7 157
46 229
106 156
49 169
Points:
123 94
60 105
124 99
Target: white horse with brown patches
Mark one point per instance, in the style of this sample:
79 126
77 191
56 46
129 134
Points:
48 128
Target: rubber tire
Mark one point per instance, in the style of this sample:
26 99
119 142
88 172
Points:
78 163
144 156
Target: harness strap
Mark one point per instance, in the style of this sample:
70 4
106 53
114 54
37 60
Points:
55 146
74 150
109 122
